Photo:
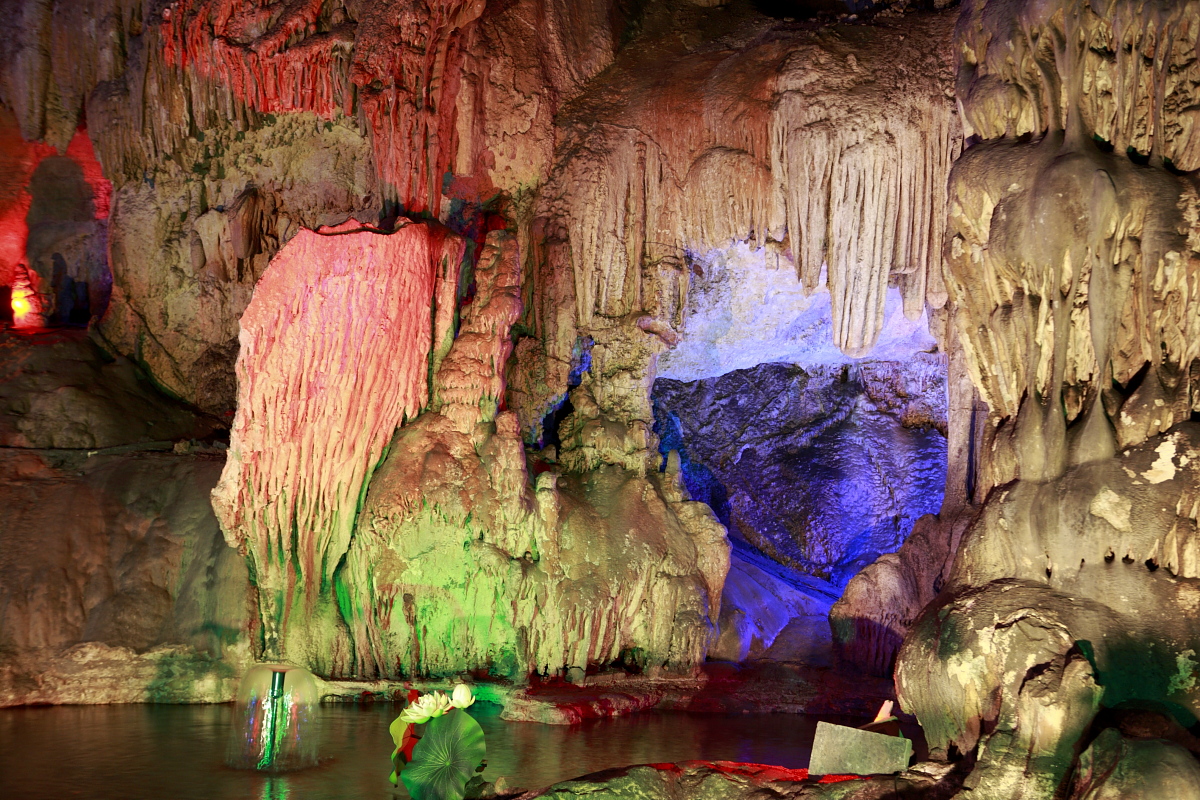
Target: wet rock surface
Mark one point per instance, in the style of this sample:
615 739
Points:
727 779
770 612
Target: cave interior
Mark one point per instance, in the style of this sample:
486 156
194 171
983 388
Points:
616 358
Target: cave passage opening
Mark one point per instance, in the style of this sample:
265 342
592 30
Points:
54 208
814 460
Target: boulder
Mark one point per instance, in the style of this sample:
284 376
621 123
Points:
1116 768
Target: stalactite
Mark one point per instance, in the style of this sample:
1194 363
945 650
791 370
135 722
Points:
1073 263
1051 303
334 357
400 63
864 199
809 144
1136 74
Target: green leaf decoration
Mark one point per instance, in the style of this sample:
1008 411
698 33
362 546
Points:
445 758
398 729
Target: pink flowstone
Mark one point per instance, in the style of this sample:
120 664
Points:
334 356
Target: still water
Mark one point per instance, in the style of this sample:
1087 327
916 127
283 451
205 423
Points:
160 752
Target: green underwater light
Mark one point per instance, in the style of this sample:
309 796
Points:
273 710
275 720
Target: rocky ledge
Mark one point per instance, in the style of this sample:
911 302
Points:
728 780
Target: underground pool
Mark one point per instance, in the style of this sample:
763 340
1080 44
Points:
149 752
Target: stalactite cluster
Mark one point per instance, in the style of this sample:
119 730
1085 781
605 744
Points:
1080 329
1071 262
821 147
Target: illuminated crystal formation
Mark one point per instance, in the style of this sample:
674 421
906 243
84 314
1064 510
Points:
275 725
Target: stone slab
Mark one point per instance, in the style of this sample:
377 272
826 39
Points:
838 750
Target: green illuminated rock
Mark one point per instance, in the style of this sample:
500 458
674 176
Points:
461 561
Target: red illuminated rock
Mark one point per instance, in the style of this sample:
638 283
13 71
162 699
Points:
334 357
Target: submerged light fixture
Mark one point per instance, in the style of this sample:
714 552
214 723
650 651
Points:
275 725
24 302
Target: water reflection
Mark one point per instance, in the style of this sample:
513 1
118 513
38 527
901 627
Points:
276 788
155 752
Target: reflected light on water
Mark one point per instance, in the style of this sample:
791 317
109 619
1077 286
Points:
276 788
149 752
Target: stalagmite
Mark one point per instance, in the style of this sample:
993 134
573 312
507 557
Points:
458 563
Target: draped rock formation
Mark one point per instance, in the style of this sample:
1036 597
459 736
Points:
459 563
334 353
1070 267
211 115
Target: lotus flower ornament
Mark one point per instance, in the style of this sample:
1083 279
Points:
426 707
462 697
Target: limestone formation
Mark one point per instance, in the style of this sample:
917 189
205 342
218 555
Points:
334 357
735 780
1070 256
1071 271
53 212
318 111
772 614
445 456
1113 767
1077 327
189 241
634 195
460 563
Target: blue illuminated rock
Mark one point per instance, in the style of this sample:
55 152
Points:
822 468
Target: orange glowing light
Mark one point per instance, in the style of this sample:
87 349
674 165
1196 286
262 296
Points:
21 306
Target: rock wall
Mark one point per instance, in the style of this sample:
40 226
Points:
1071 276
117 584
191 236
821 468
61 390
